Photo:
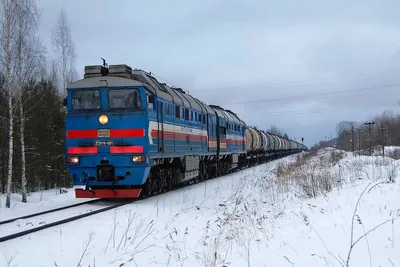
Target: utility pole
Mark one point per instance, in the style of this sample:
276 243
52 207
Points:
369 123
383 139
359 139
352 138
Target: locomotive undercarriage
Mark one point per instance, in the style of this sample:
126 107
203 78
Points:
169 173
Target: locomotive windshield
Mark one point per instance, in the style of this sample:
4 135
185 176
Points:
86 99
124 98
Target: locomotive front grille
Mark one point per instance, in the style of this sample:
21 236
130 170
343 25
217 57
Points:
105 173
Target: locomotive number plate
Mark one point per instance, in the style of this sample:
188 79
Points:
103 143
103 133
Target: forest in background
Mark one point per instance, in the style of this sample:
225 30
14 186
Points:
359 136
32 82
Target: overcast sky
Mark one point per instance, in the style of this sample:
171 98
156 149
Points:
300 65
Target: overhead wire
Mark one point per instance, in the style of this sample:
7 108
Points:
325 95
313 111
293 81
277 82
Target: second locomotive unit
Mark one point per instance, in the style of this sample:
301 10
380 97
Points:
129 135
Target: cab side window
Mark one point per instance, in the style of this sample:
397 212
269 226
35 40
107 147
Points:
124 98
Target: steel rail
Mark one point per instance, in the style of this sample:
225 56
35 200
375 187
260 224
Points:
47 211
71 219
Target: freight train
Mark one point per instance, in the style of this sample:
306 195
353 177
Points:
128 136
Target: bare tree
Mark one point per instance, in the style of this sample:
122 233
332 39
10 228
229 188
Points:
385 132
7 40
52 71
28 53
65 50
275 130
29 100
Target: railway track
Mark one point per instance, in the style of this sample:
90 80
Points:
47 211
84 209
90 213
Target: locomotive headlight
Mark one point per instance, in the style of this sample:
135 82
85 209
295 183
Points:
103 119
72 160
139 159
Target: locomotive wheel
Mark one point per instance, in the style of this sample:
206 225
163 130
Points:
202 172
169 178
162 182
148 186
155 185
157 181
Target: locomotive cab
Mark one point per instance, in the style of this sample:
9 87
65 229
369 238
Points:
106 144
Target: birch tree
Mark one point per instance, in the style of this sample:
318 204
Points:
275 130
52 71
3 134
7 41
28 57
65 51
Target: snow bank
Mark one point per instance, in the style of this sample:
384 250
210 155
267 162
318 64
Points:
390 151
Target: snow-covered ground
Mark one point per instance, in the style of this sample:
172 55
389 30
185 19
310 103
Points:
38 202
296 211
390 151
23 224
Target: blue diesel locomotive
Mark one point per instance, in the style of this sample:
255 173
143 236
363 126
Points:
128 135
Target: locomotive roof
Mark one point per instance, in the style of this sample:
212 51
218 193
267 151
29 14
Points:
176 95
227 114
123 75
103 81
242 123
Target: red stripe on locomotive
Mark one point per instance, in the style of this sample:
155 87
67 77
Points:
114 133
126 149
83 150
82 134
126 133
107 193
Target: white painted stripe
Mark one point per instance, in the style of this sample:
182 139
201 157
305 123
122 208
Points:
153 125
234 137
178 129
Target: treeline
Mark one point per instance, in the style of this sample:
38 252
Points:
32 82
275 130
385 130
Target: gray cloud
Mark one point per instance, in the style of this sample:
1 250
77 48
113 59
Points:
300 54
